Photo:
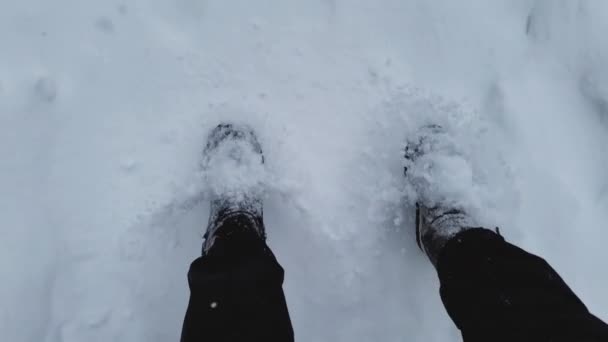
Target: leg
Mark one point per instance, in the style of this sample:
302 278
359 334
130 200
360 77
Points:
495 291
236 290
237 295
492 290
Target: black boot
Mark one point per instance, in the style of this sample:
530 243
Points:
436 223
234 160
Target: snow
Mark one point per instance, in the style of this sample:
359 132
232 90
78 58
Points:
105 107
234 168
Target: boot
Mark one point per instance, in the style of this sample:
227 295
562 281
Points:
233 162
436 223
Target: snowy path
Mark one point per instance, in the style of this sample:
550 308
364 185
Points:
104 108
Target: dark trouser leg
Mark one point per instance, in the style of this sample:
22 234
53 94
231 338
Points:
495 291
238 298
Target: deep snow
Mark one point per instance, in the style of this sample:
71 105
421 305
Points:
105 107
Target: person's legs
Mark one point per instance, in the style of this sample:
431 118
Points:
495 291
236 285
492 290
236 292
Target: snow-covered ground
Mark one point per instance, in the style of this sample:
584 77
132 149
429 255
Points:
105 107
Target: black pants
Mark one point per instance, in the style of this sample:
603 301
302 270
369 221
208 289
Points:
495 291
492 290
237 298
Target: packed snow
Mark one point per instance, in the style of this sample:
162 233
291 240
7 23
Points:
105 107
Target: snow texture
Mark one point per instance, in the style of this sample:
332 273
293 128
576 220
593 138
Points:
105 107
233 169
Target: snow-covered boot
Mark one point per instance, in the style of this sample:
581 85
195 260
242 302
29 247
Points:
233 163
436 223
